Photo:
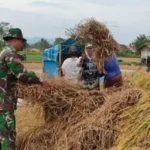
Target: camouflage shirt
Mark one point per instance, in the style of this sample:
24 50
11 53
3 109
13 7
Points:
11 71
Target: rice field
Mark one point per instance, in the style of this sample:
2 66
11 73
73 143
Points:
67 118
126 59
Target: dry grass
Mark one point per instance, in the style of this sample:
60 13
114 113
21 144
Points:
28 118
25 115
97 131
134 126
130 59
33 65
141 79
99 36
133 67
96 121
84 124
61 98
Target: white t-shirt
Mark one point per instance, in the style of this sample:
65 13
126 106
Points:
70 68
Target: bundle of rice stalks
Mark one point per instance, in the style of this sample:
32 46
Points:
96 132
135 126
141 79
61 99
99 36
28 118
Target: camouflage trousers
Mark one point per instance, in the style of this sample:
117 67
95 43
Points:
7 130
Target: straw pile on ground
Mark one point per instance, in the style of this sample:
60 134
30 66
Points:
77 120
99 36
134 127
62 98
29 117
141 79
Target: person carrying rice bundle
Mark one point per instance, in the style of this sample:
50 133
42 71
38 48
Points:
102 60
89 73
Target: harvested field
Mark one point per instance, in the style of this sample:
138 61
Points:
133 67
61 98
130 59
76 120
95 132
63 117
33 65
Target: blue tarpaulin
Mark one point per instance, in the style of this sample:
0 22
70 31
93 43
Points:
50 56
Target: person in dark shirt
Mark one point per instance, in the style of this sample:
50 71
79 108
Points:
148 64
89 73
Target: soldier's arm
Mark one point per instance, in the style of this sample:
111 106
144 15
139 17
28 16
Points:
13 62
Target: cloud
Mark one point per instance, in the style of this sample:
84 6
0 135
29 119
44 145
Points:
117 2
51 18
34 25
48 4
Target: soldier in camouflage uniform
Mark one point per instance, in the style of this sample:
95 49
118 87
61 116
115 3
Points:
11 71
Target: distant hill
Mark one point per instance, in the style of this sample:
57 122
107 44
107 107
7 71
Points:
33 40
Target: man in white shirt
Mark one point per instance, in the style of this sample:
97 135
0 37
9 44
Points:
70 67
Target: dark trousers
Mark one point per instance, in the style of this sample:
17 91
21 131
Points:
115 81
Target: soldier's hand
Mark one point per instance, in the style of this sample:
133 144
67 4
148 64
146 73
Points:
45 84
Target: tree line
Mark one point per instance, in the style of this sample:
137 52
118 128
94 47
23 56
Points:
43 43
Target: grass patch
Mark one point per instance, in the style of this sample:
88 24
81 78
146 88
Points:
132 63
127 54
32 56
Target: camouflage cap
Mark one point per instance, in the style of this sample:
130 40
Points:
14 33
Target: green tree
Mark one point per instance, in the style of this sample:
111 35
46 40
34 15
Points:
1 45
42 44
27 45
140 41
4 27
58 40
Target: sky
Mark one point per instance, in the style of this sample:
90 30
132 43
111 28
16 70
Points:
126 19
